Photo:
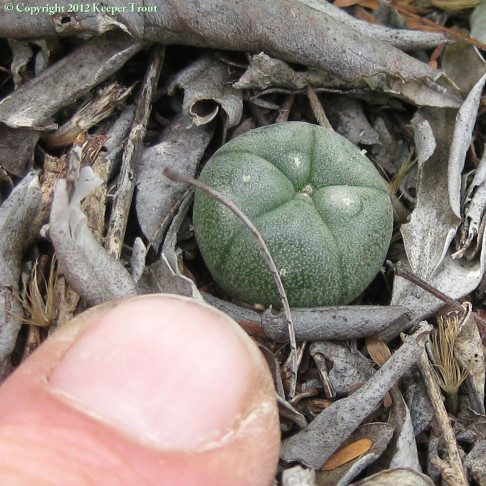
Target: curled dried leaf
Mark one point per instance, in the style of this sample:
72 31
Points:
84 262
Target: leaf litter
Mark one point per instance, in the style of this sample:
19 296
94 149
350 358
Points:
89 126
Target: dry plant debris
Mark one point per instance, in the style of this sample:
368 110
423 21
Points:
448 371
94 109
38 303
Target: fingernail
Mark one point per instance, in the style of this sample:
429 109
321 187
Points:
164 369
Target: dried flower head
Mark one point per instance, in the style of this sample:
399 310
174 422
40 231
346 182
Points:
448 371
38 305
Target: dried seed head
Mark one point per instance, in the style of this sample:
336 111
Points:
449 373
39 307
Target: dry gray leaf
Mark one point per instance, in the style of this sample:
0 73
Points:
475 462
17 148
90 270
265 72
181 147
207 88
436 217
32 105
170 253
22 53
20 220
478 179
421 94
392 477
274 366
424 141
418 402
478 23
321 438
432 225
468 349
348 369
43 55
405 452
161 277
30 108
474 206
404 39
388 15
454 278
165 275
347 117
463 64
461 141
117 136
287 411
309 39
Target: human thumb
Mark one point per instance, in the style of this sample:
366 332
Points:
152 390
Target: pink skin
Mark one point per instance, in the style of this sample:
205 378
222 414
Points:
154 390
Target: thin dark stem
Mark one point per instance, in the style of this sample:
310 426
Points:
167 217
401 271
174 176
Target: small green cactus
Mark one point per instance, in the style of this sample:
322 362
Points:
319 203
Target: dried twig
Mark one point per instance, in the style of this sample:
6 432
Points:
131 154
106 101
452 464
401 271
321 438
317 108
173 176
342 322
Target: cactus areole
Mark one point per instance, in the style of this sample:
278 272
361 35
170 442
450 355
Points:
319 203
